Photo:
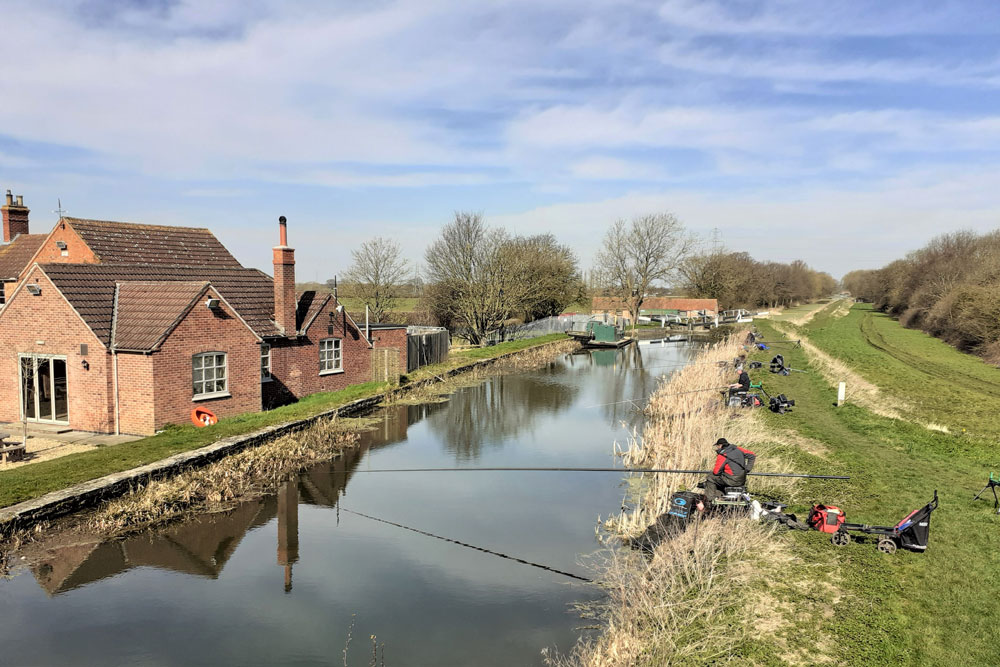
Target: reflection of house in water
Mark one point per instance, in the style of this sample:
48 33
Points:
202 546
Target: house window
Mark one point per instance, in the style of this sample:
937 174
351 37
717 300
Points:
265 362
3 293
209 374
330 360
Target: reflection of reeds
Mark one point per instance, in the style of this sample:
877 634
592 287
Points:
250 473
691 602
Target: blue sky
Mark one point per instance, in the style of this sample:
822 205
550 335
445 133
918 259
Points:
844 133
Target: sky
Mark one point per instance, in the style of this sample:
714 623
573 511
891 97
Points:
843 133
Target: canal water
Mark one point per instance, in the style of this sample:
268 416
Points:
295 578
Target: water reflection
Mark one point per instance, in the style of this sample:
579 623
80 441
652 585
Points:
279 579
496 411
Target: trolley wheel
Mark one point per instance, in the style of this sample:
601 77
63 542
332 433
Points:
840 539
887 545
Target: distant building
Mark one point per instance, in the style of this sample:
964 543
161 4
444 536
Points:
657 305
118 327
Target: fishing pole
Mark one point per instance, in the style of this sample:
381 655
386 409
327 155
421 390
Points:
680 393
469 546
619 470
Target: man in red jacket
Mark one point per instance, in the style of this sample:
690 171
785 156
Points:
732 464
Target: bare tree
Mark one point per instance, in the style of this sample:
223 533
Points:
638 254
477 277
377 273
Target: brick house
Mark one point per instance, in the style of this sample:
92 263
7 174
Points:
657 305
122 328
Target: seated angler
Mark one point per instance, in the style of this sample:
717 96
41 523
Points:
732 463
742 384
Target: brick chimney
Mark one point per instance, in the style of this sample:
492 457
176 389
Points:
284 282
15 217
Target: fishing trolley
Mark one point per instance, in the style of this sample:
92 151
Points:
910 533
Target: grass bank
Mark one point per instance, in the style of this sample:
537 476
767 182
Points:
908 608
31 481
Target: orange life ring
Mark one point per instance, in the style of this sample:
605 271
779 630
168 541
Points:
203 417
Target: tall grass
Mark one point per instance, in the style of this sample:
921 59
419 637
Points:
692 602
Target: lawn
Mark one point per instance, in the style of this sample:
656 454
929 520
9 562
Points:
355 305
936 607
32 481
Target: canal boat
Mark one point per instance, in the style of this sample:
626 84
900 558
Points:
599 334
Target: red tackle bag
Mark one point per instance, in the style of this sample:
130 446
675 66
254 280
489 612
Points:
826 519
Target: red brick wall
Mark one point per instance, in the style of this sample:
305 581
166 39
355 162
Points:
284 289
295 363
393 338
205 330
77 251
15 221
25 322
135 397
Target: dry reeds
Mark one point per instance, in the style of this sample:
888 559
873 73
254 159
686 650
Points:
691 602
250 473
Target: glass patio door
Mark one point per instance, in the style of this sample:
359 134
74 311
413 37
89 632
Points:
44 389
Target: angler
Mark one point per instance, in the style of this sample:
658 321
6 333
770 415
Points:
732 463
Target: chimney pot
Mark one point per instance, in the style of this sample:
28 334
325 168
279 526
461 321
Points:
20 200
10 198
282 231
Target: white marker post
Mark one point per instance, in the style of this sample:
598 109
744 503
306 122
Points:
841 391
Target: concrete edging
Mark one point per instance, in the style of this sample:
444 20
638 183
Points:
79 496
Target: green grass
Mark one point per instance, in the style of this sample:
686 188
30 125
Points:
355 305
943 385
31 481
581 306
933 608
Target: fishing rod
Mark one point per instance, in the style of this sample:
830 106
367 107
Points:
679 393
468 546
619 470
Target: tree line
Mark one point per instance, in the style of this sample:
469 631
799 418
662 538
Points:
950 288
738 280
478 279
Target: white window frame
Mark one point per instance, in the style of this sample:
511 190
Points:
331 356
265 367
201 357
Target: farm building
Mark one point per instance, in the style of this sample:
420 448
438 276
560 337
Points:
657 305
118 327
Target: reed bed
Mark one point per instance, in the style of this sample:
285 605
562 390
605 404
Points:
250 473
688 604
694 600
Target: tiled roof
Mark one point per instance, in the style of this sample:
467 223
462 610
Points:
145 312
15 255
307 306
90 288
658 303
130 243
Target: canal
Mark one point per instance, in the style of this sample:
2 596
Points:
288 578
